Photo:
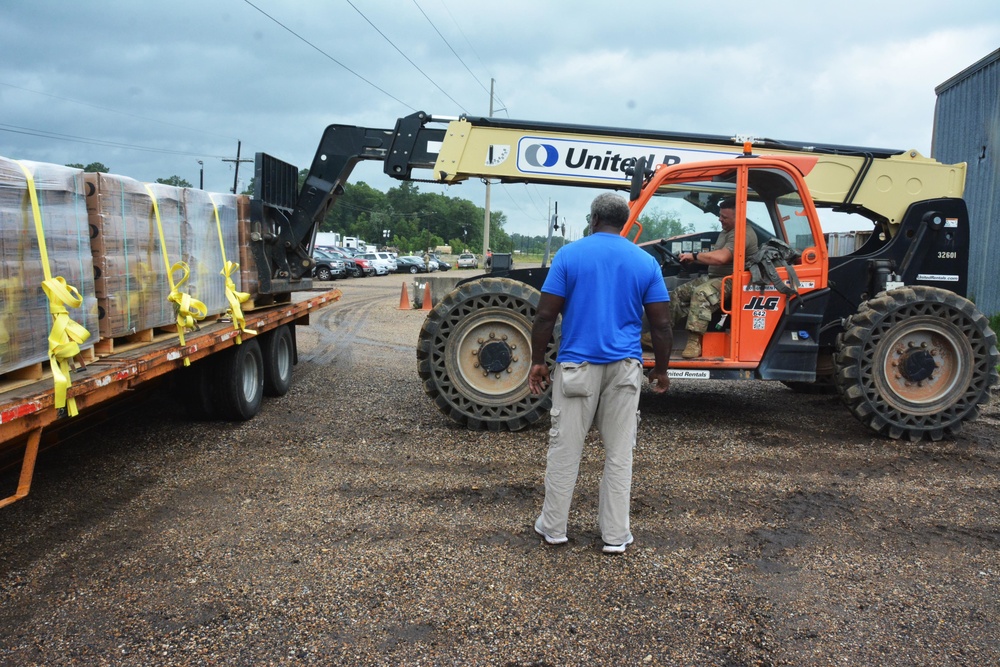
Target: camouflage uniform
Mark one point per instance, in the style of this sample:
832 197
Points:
698 300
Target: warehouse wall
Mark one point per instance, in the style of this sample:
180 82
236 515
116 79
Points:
967 129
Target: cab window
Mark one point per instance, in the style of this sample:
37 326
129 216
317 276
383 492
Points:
793 220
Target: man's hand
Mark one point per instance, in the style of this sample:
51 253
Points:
538 378
659 381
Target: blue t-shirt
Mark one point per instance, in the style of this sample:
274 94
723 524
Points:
606 280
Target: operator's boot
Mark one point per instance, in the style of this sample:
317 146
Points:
693 348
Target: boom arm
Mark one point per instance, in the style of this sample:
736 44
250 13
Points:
878 183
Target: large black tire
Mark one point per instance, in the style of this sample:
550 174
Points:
278 350
474 354
239 381
916 362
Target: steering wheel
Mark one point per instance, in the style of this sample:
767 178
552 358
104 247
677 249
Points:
667 255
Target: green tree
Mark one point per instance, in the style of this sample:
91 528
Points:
92 168
661 225
175 181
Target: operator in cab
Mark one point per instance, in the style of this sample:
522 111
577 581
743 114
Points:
695 302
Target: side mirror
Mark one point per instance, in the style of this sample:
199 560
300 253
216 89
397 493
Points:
638 178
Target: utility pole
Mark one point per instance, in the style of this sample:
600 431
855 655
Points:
236 177
486 220
548 239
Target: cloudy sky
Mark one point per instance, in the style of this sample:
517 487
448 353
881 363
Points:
149 88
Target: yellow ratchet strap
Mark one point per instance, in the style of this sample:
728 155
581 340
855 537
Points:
188 309
66 335
235 298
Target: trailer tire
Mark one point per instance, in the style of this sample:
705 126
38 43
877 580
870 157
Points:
916 362
239 381
488 319
278 350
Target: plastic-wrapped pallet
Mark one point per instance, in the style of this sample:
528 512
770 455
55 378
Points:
130 273
248 266
202 249
25 318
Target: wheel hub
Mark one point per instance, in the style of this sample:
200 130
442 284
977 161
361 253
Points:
924 361
489 353
917 365
495 355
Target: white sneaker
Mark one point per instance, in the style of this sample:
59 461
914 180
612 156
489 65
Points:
617 548
552 540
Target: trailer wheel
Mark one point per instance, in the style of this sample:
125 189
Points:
239 381
916 362
278 350
474 354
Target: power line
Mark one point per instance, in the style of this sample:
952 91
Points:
481 85
123 113
426 76
503 106
327 55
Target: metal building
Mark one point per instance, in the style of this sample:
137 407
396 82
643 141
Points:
967 129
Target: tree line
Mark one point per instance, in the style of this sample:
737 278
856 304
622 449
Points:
411 221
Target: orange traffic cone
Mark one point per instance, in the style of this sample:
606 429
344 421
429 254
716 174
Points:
404 299
427 297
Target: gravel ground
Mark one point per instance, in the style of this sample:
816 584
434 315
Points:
351 524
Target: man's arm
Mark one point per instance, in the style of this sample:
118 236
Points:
658 315
549 307
709 257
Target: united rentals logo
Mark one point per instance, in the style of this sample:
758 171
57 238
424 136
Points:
598 160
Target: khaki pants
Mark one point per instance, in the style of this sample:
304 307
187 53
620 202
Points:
583 394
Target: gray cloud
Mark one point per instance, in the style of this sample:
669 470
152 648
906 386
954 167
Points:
159 86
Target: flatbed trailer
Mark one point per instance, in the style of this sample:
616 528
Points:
27 405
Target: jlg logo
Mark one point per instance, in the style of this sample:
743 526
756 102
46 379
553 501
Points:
763 303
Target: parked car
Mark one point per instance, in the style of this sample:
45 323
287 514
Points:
410 264
468 261
382 265
442 265
349 263
389 258
328 267
367 268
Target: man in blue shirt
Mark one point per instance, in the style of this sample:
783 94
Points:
601 285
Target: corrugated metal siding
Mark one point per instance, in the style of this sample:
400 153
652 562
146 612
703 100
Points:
967 129
839 244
